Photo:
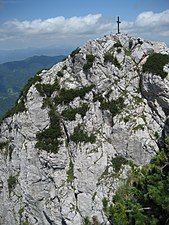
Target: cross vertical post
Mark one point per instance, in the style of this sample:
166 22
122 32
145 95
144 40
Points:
118 25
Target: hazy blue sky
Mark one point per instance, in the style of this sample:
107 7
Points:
41 23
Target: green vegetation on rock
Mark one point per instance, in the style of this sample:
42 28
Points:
3 144
109 57
47 89
70 112
60 73
26 222
64 67
119 50
130 44
117 163
48 139
139 127
155 64
70 172
87 221
117 45
144 198
67 95
127 118
20 212
127 52
93 221
74 52
90 59
114 106
11 183
82 136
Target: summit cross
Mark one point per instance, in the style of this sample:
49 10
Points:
118 25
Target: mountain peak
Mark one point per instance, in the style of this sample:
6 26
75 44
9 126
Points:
68 142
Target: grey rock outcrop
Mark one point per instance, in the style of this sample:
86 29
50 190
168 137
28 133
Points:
126 111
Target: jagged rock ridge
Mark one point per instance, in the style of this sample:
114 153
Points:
65 146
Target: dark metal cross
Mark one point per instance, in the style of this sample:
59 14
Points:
118 25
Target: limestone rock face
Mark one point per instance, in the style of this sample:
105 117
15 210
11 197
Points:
120 114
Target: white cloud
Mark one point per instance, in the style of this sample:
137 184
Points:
73 30
59 25
150 19
150 25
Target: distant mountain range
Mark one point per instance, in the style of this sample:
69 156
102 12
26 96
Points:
14 75
21 54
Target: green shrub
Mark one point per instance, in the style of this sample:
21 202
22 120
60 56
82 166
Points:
156 135
20 212
70 172
70 113
26 222
139 127
155 64
87 221
117 64
48 139
3 144
127 52
74 52
47 103
114 106
105 203
127 119
11 183
130 44
64 68
117 45
66 96
138 100
95 221
47 89
119 50
98 97
90 59
109 57
60 73
39 88
117 163
144 197
81 136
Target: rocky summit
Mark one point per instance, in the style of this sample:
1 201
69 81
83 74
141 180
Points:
68 142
